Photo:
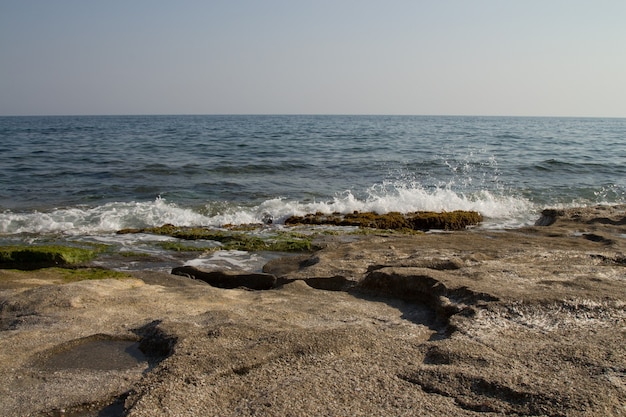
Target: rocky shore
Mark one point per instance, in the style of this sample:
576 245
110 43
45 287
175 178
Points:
525 322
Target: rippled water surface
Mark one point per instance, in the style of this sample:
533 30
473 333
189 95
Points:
95 175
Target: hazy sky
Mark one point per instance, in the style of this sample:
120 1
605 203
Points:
478 57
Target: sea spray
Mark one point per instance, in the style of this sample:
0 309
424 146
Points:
106 218
499 211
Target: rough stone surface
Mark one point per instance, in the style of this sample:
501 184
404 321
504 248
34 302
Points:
472 323
228 279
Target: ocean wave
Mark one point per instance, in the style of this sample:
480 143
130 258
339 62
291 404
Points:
499 211
109 217
563 167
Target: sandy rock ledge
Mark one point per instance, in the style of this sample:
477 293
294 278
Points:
521 322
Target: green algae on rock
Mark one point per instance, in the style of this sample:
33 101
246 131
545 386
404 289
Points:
277 241
35 257
180 247
420 220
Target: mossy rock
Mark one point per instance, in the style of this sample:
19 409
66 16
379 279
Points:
453 220
180 247
19 278
35 257
230 240
420 220
291 244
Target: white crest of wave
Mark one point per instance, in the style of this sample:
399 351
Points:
499 211
109 217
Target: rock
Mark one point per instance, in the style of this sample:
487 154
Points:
34 257
598 238
337 283
420 220
268 218
422 285
470 323
548 217
284 266
228 279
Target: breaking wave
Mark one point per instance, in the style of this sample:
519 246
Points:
498 210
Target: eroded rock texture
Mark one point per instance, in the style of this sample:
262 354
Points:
469 323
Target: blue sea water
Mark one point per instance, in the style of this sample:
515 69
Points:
72 176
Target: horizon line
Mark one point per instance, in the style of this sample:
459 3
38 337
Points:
306 114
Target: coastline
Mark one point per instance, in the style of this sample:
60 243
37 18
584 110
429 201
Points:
529 321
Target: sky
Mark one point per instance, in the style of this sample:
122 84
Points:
422 57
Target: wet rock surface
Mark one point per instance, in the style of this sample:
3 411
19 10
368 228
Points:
522 322
421 220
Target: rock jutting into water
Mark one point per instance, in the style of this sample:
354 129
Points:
420 220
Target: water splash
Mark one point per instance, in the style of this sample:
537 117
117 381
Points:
499 210
105 218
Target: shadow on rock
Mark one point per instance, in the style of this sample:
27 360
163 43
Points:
228 279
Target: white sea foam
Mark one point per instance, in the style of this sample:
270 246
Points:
498 210
106 218
229 259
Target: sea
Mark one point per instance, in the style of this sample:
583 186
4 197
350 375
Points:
80 179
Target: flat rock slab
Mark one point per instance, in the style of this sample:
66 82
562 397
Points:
474 323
